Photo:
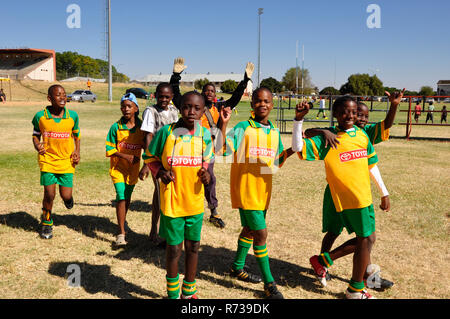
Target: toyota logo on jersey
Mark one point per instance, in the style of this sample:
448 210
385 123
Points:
353 155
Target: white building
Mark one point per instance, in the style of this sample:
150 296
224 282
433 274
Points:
443 87
31 64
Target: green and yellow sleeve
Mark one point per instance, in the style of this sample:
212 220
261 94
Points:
111 141
377 132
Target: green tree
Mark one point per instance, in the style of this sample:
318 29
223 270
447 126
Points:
229 86
329 90
272 84
198 84
69 64
363 84
426 91
289 80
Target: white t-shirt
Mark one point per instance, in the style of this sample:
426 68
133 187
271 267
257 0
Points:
149 121
322 104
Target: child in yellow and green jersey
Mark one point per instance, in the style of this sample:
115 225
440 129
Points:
124 144
377 133
257 153
179 155
347 173
58 153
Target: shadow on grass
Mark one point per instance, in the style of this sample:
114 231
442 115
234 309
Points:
215 260
98 278
135 205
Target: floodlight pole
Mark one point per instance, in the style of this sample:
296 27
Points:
109 53
260 12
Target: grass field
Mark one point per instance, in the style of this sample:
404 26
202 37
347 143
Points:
412 240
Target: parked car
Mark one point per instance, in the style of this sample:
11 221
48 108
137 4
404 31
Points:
81 96
139 93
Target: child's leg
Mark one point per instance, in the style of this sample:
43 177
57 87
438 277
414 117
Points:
49 196
121 213
328 241
360 261
245 241
191 261
262 255
173 253
155 212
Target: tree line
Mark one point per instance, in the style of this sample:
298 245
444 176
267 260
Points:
71 64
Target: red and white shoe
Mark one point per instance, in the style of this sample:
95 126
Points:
319 270
358 295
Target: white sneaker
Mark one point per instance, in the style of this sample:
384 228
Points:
120 240
358 295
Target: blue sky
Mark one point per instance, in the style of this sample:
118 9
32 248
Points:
411 49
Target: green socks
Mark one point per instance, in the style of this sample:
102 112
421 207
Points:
356 286
173 287
189 289
325 260
262 258
47 217
244 245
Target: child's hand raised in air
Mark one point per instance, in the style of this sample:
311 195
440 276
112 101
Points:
385 203
396 97
301 110
225 114
249 68
204 175
178 65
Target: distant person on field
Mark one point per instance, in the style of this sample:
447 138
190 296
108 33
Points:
444 114
417 111
430 112
2 96
322 108
89 83
58 153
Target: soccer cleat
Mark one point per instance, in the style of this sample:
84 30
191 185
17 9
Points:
194 296
375 281
69 203
217 221
319 270
46 232
120 241
243 275
271 291
358 295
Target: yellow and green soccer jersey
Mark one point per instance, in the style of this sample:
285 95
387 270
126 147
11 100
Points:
376 132
346 166
58 136
183 153
257 153
123 140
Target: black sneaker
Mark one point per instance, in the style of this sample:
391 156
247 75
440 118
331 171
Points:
69 203
242 274
271 291
46 231
217 221
382 285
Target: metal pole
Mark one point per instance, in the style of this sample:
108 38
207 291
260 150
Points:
260 11
296 71
109 54
303 65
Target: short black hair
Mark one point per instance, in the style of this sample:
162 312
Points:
208 84
187 94
361 104
52 87
261 88
340 102
163 85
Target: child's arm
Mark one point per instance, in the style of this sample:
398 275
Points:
239 91
297 135
38 146
329 137
178 67
220 140
376 177
395 100
75 156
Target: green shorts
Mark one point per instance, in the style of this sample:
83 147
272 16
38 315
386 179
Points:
361 221
331 219
253 219
176 230
65 180
123 191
